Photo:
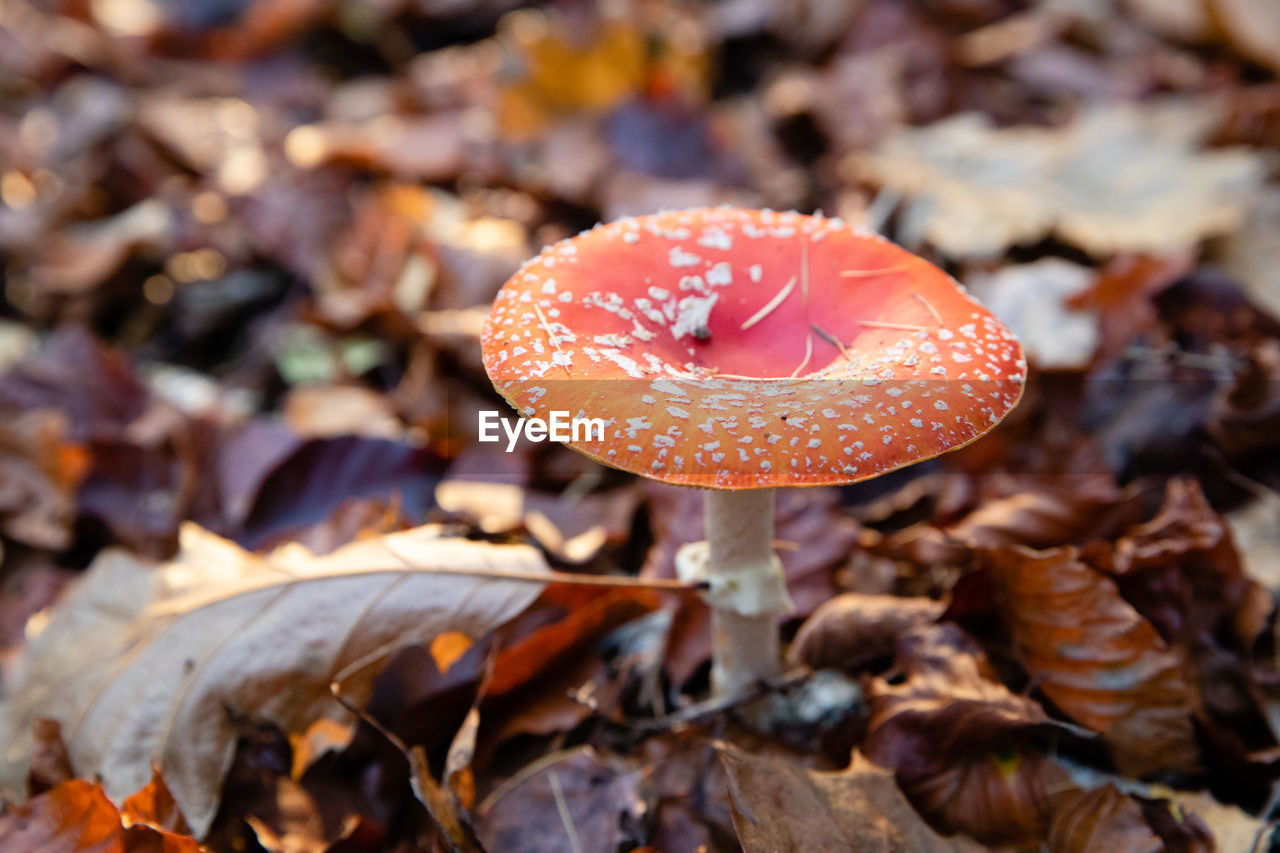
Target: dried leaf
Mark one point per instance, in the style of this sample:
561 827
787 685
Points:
1232 827
567 65
306 488
576 800
1094 656
39 473
154 806
322 736
1245 418
853 629
1255 529
551 646
960 744
143 664
50 764
1034 300
1253 26
1101 819
780 806
1047 512
427 148
1249 252
1181 571
74 373
1186 20
77 817
1117 179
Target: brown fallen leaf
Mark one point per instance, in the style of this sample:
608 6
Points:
961 745
1245 418
1101 819
143 664
1042 513
1181 571
578 800
590 615
50 764
779 806
77 817
74 373
427 148
1094 656
853 629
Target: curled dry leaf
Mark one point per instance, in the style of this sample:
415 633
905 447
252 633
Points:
1094 656
780 806
1117 179
77 817
1182 572
1042 513
854 629
141 664
1101 819
154 806
960 744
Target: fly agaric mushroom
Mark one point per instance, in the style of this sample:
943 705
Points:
740 351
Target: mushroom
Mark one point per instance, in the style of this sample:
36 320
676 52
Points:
743 350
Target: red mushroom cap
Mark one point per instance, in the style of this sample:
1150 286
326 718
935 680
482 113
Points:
750 349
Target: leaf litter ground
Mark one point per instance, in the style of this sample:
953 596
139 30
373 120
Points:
244 253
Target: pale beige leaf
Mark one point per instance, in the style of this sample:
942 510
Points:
1120 178
1232 827
1253 26
1034 301
143 663
1255 527
1185 20
1251 254
779 806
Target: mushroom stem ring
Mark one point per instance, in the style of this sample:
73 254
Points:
746 588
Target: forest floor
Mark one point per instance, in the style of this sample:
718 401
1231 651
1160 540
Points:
246 249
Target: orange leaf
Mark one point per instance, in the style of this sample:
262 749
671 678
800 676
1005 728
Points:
446 648
155 807
77 817
544 648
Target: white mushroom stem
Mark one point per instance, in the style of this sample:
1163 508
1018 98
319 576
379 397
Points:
747 591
